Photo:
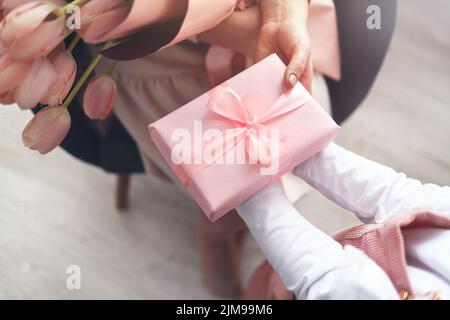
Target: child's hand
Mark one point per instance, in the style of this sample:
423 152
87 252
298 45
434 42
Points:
284 32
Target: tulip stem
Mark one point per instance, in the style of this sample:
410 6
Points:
73 44
78 3
112 68
82 80
62 11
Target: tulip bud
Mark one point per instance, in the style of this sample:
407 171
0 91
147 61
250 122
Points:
7 98
67 70
7 6
244 4
32 30
47 129
98 17
99 97
12 75
2 48
5 58
40 78
10 78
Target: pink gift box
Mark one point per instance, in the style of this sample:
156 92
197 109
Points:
295 125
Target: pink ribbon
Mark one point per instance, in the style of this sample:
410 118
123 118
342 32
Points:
249 117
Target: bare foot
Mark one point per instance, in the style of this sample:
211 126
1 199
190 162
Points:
153 169
265 284
221 250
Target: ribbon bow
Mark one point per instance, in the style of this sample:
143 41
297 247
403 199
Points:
250 115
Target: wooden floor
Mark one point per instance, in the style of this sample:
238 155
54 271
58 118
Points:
56 211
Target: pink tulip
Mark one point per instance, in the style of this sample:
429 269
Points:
98 17
5 58
47 129
7 98
66 66
40 78
2 48
23 20
99 97
12 75
32 30
8 5
244 4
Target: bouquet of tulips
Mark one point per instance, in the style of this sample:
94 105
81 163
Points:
37 68
36 62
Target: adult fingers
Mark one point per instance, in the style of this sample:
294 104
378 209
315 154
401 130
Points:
306 78
298 64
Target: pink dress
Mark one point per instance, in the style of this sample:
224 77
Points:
385 244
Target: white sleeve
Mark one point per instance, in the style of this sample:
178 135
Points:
311 264
372 191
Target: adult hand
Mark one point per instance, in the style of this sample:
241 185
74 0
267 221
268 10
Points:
284 32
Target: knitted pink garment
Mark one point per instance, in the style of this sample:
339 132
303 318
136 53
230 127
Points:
384 244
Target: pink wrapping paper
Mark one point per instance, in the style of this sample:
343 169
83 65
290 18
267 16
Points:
142 14
218 188
199 15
